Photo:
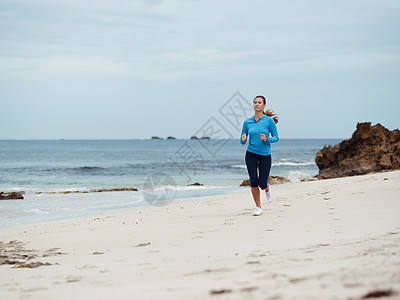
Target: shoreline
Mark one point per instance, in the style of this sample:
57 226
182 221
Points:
52 206
334 238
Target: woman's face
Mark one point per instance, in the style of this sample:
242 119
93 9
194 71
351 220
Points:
258 104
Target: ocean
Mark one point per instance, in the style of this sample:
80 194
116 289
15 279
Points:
57 176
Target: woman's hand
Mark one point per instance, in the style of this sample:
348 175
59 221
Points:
263 137
243 137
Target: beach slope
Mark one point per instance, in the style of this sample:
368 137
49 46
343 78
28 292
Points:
328 239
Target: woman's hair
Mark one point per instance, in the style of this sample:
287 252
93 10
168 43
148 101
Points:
268 112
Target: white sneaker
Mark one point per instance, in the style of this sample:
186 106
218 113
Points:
257 212
270 195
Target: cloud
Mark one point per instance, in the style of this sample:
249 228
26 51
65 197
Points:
145 49
62 66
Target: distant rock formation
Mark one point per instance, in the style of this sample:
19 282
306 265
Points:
195 184
193 137
156 138
9 196
370 149
170 138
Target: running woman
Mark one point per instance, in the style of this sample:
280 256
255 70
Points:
261 130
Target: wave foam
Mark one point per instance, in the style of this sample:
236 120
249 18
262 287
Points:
285 162
296 176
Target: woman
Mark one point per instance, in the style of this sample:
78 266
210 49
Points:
258 155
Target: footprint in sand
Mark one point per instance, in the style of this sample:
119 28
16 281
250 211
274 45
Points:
86 267
228 221
254 262
104 271
197 236
209 271
35 289
143 244
74 278
248 289
245 211
257 255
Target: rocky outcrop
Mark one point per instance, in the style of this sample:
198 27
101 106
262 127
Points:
271 180
370 149
9 196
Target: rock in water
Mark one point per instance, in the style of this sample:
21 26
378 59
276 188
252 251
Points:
271 180
9 196
370 149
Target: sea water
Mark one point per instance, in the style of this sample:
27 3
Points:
46 170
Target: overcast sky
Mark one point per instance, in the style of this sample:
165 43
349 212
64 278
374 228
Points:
127 69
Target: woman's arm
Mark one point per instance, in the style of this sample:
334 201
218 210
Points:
243 135
274 132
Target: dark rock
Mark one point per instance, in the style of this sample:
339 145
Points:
205 138
378 294
114 190
222 291
156 138
271 180
195 184
370 149
8 196
277 179
194 137
123 189
170 138
245 183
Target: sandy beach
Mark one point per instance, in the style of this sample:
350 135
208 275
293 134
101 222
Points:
328 239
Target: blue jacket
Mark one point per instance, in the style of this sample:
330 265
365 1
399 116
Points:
253 129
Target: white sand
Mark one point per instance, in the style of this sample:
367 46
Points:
331 239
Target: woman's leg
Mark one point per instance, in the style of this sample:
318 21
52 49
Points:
264 170
255 191
252 165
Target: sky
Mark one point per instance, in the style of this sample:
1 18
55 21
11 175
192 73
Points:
130 69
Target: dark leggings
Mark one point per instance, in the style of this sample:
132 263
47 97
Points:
263 164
